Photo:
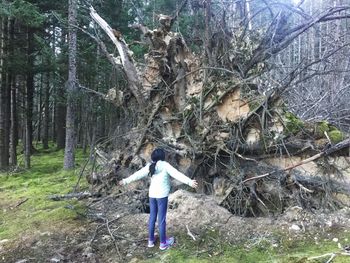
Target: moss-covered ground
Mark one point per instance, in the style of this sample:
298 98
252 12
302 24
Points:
26 210
24 203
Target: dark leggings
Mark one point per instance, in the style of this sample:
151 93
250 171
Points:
158 206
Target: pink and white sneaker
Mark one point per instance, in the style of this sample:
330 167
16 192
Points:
169 242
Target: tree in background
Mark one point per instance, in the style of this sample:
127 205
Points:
69 159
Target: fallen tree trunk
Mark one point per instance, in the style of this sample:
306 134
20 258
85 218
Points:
333 149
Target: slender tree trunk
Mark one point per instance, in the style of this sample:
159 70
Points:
13 127
46 111
3 153
60 118
69 154
40 108
208 34
14 124
29 99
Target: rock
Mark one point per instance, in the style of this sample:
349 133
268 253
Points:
294 227
3 241
55 259
335 239
22 261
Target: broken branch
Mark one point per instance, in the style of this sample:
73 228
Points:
337 147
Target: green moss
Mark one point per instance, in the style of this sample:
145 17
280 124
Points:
45 178
293 123
321 128
336 136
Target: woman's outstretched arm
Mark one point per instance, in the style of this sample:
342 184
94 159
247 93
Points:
180 176
136 176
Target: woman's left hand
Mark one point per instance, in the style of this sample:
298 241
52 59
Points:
194 184
121 183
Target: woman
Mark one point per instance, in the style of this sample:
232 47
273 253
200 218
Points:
160 172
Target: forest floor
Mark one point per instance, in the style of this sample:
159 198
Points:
34 228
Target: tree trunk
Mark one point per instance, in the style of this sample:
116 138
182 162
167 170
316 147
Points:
208 34
40 108
46 111
14 124
60 118
29 99
3 153
69 158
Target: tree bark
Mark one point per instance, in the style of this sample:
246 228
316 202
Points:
60 118
13 129
14 124
3 153
29 98
69 154
46 111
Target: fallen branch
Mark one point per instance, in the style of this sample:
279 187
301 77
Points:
337 147
113 238
20 202
129 67
189 233
80 195
332 256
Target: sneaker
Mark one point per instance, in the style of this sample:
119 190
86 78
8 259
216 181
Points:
169 242
150 243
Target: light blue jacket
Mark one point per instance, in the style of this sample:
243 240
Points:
160 180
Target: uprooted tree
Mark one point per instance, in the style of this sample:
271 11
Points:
221 115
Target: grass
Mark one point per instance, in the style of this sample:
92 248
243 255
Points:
38 212
211 249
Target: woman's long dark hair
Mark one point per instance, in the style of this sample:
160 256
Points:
157 155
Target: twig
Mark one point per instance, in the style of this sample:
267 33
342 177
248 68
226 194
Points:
331 258
21 202
245 158
80 175
189 233
303 187
113 238
329 140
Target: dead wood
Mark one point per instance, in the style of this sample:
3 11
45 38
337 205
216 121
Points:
128 65
20 202
81 195
335 148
